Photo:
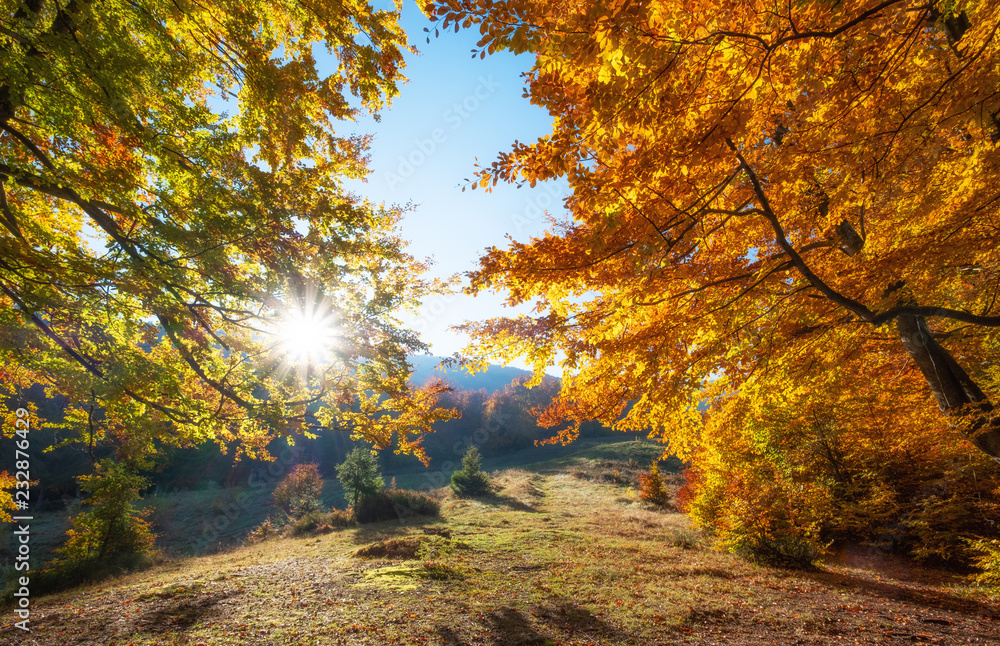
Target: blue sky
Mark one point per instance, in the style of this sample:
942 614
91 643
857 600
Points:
454 109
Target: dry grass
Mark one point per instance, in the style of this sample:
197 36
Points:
574 562
392 548
518 485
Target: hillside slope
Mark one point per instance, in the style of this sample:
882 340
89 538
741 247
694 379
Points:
556 557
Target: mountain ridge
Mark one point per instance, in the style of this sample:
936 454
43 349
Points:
494 378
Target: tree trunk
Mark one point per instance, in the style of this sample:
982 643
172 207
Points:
957 394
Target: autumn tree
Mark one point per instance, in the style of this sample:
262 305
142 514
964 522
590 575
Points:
299 492
509 414
651 487
755 186
173 218
111 528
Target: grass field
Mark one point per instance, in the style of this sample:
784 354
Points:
205 520
562 554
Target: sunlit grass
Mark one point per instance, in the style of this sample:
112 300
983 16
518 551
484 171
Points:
551 558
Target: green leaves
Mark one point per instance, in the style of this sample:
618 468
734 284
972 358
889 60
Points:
163 238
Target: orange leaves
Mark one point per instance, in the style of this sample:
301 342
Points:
651 487
855 162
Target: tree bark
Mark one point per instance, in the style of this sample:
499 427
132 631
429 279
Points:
958 396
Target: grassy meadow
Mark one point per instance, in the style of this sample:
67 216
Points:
563 553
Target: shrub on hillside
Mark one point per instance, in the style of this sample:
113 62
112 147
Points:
359 475
987 559
393 504
321 523
776 477
470 481
112 527
651 487
262 532
298 494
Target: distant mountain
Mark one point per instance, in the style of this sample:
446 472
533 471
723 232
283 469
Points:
492 380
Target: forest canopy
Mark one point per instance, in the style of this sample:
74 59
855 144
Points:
172 203
792 199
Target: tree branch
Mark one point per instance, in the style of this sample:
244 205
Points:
47 331
6 216
168 327
850 304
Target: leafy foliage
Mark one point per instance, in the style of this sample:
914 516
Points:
784 212
8 486
753 185
111 528
298 493
151 244
470 481
359 475
262 532
988 560
510 414
818 468
651 488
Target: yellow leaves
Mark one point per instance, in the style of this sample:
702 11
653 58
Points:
689 283
8 485
142 216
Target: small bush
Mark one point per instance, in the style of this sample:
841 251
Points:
112 527
651 487
988 561
262 532
359 475
298 494
307 524
470 481
321 523
684 538
394 504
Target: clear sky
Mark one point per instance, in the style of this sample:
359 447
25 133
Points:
454 109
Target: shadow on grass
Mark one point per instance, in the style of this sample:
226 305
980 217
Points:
179 614
682 573
568 615
928 598
506 501
510 627
498 500
506 626
72 575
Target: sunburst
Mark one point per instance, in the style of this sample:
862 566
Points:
307 336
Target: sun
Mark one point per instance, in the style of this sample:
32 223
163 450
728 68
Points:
307 337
